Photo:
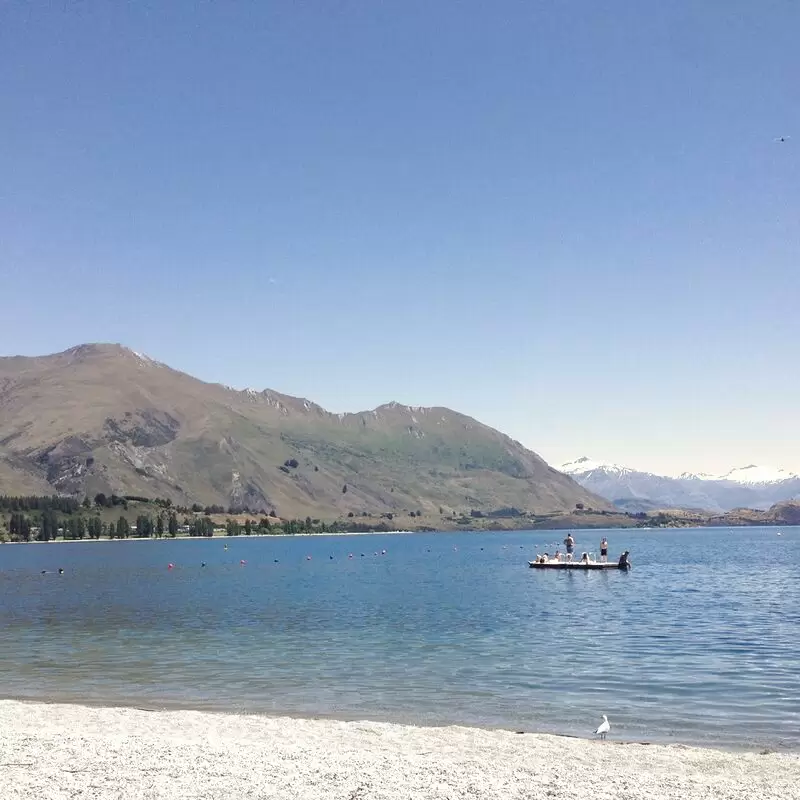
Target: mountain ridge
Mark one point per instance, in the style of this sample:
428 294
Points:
636 490
105 418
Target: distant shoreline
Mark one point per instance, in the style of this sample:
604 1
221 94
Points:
223 538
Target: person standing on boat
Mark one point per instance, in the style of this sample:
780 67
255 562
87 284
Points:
604 550
569 543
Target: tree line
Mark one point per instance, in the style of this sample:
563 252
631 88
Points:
36 518
48 526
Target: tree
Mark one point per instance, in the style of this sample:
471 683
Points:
95 527
172 525
123 529
265 525
292 526
248 527
160 525
579 506
100 499
344 489
233 528
48 527
201 526
19 528
87 503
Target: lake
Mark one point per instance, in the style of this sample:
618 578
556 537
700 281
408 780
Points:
698 643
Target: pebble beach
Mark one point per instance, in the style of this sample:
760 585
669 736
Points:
61 752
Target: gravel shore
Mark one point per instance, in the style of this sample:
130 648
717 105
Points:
55 752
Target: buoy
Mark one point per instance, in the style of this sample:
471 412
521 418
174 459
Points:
350 556
170 566
308 558
60 570
242 561
383 552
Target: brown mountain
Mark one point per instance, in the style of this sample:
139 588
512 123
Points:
102 418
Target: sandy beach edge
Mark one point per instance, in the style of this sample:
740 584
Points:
57 750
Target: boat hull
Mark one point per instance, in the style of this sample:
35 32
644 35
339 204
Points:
579 565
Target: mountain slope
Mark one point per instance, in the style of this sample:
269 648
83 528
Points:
104 418
634 490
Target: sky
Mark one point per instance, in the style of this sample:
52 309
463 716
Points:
570 220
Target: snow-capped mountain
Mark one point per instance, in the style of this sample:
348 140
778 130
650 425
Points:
635 490
584 464
753 475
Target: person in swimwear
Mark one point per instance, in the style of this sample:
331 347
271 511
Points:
569 543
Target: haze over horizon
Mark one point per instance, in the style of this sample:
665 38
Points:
573 223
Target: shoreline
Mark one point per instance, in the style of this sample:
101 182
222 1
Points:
559 531
176 706
183 537
59 750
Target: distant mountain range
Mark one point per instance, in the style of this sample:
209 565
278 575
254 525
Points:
104 418
635 490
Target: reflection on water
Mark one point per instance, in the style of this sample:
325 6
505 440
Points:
698 643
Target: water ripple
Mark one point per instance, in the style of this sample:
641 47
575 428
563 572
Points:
698 643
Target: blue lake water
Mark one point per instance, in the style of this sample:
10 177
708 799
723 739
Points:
698 643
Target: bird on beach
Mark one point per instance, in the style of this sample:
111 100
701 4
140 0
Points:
604 728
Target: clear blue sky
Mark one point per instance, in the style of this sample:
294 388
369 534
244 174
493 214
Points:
568 219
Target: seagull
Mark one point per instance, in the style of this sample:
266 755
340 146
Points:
604 728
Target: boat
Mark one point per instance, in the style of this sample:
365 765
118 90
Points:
623 563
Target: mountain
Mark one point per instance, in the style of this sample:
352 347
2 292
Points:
634 490
753 475
103 418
